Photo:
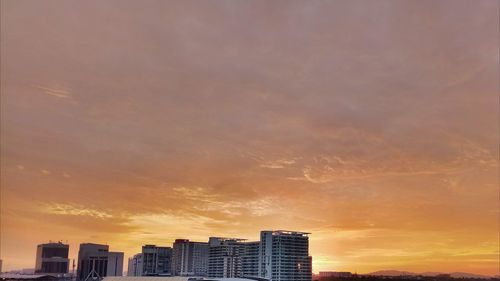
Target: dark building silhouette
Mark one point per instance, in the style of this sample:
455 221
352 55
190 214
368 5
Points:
156 261
52 258
95 260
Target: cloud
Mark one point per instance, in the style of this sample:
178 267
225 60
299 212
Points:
189 123
70 210
278 164
54 92
45 172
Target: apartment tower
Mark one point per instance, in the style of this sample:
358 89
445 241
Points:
189 258
52 258
284 256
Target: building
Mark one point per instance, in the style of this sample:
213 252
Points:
284 256
198 264
115 264
52 258
223 257
249 259
189 258
92 260
95 260
278 256
135 265
1 266
156 260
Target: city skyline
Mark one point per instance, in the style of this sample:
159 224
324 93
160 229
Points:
135 270
277 255
373 125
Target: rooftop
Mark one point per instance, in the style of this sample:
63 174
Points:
277 232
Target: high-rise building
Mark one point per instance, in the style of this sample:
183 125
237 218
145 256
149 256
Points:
92 260
278 256
95 260
156 261
115 264
189 258
135 265
0 265
249 259
284 256
223 257
52 258
199 264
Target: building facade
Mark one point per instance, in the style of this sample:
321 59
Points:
115 264
135 265
284 256
223 257
249 259
156 261
189 258
52 258
278 256
95 260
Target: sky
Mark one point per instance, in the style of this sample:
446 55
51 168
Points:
373 125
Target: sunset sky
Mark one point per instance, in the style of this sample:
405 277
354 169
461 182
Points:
374 125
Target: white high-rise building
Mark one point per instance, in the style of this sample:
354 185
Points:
284 256
223 257
278 256
249 259
189 258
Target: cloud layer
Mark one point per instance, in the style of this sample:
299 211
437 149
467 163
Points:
373 125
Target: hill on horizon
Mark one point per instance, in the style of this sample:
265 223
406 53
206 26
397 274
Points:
403 273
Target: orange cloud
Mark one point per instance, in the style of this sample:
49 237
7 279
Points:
372 125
